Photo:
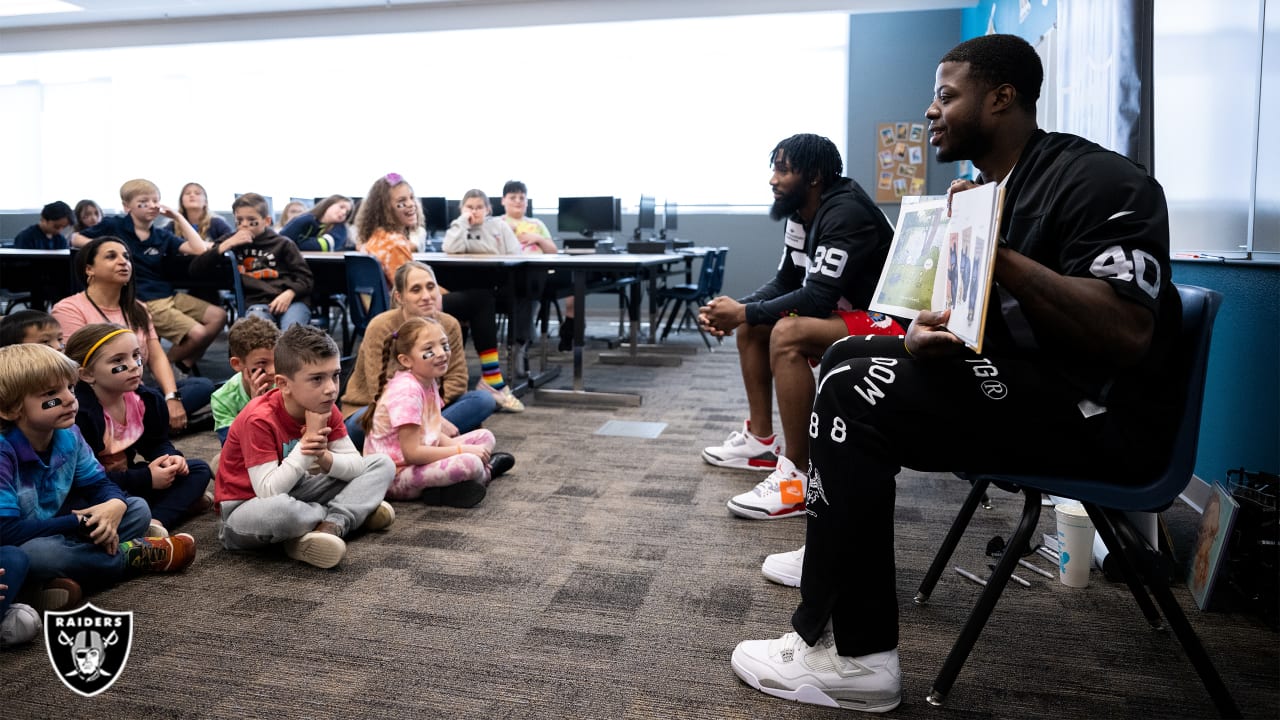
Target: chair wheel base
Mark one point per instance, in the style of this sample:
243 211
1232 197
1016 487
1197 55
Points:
921 598
935 698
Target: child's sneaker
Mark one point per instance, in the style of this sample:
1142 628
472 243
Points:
744 450
170 554
57 594
381 517
507 401
788 668
157 529
784 568
781 495
21 625
320 547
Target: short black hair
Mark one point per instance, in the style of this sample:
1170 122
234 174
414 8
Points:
1000 59
57 210
514 186
813 156
13 327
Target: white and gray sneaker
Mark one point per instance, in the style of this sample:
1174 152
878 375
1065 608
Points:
790 669
781 495
745 451
784 568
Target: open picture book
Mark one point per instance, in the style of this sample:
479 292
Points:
938 262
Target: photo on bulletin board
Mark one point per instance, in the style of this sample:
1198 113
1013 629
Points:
900 160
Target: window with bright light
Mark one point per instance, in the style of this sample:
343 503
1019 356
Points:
680 109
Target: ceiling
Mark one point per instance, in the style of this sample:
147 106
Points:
125 11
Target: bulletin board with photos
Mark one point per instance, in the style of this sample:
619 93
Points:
900 161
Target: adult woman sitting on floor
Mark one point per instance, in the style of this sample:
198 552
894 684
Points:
386 223
416 295
109 296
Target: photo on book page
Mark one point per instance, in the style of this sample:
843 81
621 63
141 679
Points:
968 258
906 283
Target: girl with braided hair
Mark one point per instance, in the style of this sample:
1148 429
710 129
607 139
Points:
404 422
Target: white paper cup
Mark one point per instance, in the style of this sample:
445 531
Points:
1075 543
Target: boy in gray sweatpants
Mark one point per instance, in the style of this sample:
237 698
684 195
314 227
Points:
289 473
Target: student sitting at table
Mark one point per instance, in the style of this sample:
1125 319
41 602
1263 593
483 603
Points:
535 238
292 210
87 214
416 294
47 233
323 227
190 323
193 203
386 222
277 281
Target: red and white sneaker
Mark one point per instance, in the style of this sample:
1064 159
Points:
781 495
746 451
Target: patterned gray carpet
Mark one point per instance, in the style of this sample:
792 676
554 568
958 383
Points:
603 578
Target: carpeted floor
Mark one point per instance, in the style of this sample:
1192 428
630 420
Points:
603 578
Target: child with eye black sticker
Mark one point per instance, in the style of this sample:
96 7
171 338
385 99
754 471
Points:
126 424
57 505
404 422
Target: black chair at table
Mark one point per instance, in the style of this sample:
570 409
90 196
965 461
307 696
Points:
1107 504
691 296
367 295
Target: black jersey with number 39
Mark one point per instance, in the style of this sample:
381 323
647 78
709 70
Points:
837 257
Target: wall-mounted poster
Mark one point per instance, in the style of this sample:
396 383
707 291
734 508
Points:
900 160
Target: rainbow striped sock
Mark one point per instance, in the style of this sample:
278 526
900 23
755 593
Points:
491 369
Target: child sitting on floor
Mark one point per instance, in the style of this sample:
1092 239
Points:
127 425
251 344
31 326
404 422
56 502
289 473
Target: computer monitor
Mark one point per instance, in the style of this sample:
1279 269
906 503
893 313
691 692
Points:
454 209
435 210
647 219
495 206
306 202
588 215
669 218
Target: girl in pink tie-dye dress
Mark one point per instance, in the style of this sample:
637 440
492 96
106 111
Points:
433 462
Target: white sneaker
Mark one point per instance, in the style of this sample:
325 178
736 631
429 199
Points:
381 517
788 668
317 548
781 495
21 624
784 568
744 450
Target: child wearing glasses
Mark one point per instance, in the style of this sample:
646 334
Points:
277 282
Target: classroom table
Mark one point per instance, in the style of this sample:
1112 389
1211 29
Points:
46 274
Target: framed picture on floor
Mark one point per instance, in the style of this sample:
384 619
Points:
1210 552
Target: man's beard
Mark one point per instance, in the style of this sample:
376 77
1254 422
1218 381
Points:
786 206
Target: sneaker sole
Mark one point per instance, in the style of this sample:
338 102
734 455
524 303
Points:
321 553
811 695
741 463
779 577
754 513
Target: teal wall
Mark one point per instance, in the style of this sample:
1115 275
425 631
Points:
1041 17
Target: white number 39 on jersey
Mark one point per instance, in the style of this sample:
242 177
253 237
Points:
1143 268
829 262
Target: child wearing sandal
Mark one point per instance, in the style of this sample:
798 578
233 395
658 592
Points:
127 425
56 503
404 422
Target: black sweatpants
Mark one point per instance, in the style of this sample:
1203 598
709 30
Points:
877 409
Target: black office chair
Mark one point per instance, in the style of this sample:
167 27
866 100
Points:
1107 504
233 299
367 295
